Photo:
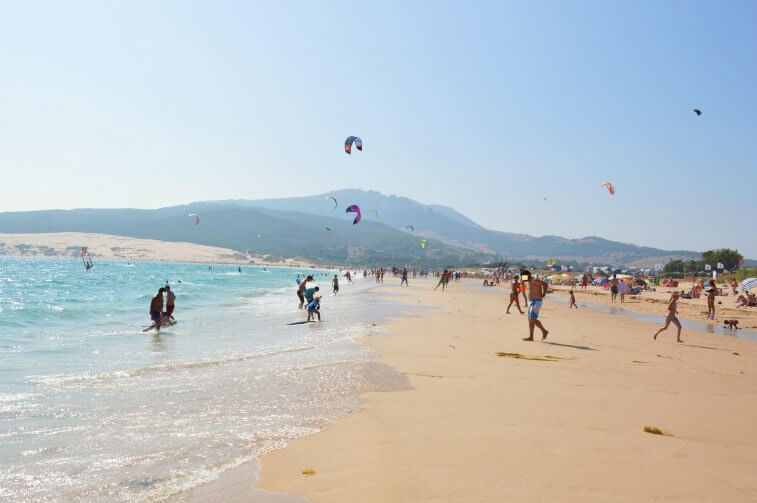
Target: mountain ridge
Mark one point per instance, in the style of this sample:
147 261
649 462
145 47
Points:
296 226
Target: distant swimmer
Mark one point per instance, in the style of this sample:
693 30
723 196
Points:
335 284
537 289
156 310
671 317
170 303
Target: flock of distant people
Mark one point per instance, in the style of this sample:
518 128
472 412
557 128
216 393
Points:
531 288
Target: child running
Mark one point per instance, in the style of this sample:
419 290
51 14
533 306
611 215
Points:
671 318
572 300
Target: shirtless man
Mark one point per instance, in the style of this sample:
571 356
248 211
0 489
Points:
301 290
537 289
156 310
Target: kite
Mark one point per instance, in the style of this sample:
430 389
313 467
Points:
197 219
333 199
328 228
349 141
423 243
354 208
544 199
412 229
609 187
698 112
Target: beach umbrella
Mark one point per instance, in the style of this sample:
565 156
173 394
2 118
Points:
748 284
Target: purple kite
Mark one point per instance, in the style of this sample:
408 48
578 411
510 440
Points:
354 208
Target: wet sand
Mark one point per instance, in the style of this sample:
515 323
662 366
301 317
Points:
560 420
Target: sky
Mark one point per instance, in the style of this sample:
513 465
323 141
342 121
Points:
484 107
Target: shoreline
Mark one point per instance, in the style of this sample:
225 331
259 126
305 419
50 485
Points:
479 426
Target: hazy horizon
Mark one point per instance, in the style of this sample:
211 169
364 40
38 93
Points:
485 108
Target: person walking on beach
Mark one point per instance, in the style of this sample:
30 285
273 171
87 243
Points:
335 284
514 294
614 287
156 310
671 318
572 300
711 293
584 282
349 277
537 289
170 302
523 292
404 277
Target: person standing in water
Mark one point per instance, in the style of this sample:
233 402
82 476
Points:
170 302
349 277
671 318
301 290
156 309
240 269
335 284
514 295
537 289
711 293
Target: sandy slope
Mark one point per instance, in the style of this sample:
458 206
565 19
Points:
483 427
108 247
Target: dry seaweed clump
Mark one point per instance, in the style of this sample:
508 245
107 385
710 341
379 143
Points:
654 430
519 356
308 472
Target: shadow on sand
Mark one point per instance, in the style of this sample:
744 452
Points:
582 348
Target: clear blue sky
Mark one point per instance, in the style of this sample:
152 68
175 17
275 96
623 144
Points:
485 107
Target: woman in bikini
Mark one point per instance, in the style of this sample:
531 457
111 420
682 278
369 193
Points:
514 295
671 318
711 293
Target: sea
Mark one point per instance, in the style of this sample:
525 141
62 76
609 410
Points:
94 409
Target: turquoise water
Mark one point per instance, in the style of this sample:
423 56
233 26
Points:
94 409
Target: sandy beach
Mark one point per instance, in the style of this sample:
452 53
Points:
491 417
109 247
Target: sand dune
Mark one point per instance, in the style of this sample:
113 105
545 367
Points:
109 247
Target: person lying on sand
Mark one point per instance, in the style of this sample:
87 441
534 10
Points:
671 318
